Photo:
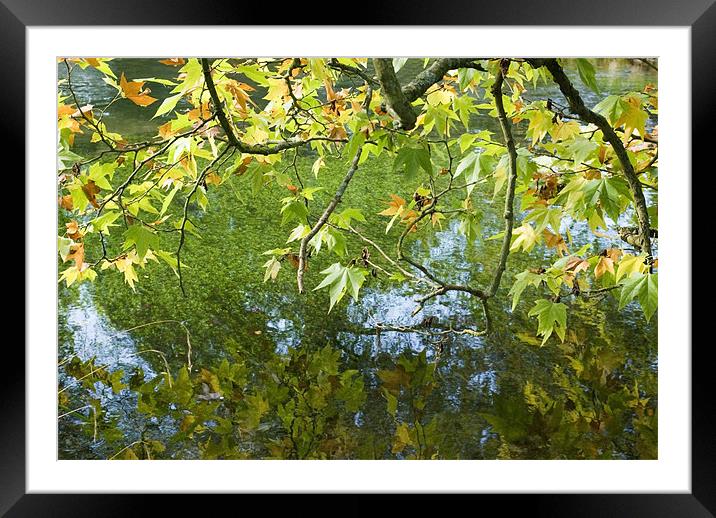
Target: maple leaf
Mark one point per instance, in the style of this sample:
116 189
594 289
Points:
272 268
213 179
196 113
73 230
77 252
576 264
65 202
125 265
395 206
166 131
133 91
526 238
555 241
238 90
605 264
338 132
612 253
91 190
632 117
174 62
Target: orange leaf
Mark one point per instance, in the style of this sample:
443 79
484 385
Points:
213 179
604 265
73 230
91 190
394 206
78 254
133 91
65 202
555 241
165 130
338 132
576 264
174 62
612 253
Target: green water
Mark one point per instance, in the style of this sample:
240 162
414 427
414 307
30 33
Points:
481 404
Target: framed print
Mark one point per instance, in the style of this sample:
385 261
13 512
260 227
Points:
359 259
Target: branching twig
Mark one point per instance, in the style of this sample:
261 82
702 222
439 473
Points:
577 106
509 214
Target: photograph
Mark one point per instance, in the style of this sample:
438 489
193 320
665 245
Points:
347 258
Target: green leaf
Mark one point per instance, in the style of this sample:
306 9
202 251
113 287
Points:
63 247
611 108
354 144
587 74
294 210
551 317
341 279
645 288
168 104
581 149
98 173
344 219
170 259
298 233
630 264
476 166
105 221
522 280
610 193
168 199
543 216
142 238
409 159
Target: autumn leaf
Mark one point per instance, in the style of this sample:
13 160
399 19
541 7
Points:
605 264
133 91
555 241
77 253
293 260
65 202
73 230
196 113
337 132
633 117
91 190
174 62
125 265
576 264
395 206
612 253
272 268
212 179
526 238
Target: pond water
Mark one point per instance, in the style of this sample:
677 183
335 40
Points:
484 396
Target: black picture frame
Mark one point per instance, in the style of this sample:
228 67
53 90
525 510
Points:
700 15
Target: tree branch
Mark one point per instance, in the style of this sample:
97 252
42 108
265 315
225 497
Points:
331 205
576 105
323 219
393 93
271 147
399 98
434 73
512 180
